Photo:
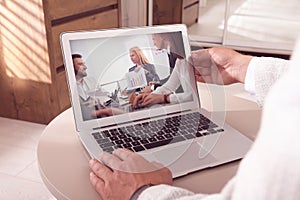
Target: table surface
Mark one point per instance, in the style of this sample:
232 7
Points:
63 161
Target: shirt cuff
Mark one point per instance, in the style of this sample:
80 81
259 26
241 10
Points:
152 87
138 191
164 192
250 77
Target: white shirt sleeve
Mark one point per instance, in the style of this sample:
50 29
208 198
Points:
263 73
249 80
167 192
179 76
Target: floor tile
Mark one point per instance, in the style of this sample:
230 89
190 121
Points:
20 133
13 159
12 188
31 172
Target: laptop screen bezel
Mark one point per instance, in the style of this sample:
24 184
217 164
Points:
81 124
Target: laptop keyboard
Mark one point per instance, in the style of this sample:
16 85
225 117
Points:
156 133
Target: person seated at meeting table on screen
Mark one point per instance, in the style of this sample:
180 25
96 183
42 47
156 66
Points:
141 62
167 93
85 85
270 168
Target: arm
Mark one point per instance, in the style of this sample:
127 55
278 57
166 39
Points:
164 192
107 112
179 76
269 170
266 71
123 172
220 65
171 85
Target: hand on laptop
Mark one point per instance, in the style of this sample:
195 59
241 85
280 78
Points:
123 172
147 99
220 65
107 112
146 89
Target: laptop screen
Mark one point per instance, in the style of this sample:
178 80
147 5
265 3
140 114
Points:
121 75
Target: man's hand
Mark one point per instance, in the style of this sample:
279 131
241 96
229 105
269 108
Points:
147 99
123 171
138 100
220 65
147 89
107 112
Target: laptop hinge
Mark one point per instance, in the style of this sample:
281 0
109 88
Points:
142 119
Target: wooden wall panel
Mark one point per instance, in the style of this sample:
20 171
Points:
26 76
186 3
31 86
167 11
62 91
175 11
190 15
26 99
7 100
62 8
34 101
108 19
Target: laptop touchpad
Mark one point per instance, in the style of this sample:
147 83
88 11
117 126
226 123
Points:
184 158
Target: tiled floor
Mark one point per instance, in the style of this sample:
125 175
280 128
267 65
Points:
19 175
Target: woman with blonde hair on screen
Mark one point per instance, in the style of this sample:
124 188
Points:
141 62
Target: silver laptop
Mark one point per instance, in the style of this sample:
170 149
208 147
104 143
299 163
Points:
179 134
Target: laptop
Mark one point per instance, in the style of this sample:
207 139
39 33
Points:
180 134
